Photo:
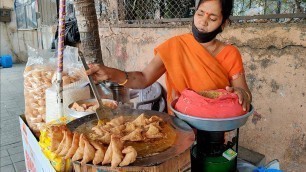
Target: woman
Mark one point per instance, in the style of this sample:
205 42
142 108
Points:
197 61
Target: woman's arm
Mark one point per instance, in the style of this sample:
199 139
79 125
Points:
136 79
240 87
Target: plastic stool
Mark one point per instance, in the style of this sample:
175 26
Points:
151 98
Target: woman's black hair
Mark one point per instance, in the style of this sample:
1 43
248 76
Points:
226 5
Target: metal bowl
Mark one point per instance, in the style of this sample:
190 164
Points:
213 124
78 114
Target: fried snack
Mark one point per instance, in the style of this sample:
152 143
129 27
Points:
89 152
134 135
140 121
113 153
56 135
67 78
108 155
92 106
80 151
106 138
155 119
153 132
129 127
117 121
106 128
99 155
67 143
61 145
156 124
130 156
117 146
37 78
117 130
98 130
74 146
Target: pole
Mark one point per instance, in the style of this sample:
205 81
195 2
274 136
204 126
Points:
60 51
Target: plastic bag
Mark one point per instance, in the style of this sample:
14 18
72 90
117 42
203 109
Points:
245 166
37 78
60 164
38 75
73 75
74 85
209 104
72 35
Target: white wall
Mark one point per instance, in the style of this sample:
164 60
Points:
13 41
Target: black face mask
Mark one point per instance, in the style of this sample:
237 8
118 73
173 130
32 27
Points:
204 37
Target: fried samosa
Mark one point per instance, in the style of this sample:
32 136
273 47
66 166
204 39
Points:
56 135
108 155
62 144
117 146
74 146
99 155
130 156
134 135
89 152
140 120
106 138
129 127
155 119
98 130
153 132
67 144
80 151
117 121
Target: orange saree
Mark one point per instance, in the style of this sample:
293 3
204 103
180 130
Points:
189 65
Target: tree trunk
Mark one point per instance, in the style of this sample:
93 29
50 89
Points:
85 13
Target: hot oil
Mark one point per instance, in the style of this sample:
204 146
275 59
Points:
144 148
153 146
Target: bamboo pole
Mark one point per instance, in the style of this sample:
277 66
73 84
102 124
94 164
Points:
60 51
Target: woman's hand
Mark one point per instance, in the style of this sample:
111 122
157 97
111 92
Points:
99 72
244 98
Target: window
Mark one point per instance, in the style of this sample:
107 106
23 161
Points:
26 14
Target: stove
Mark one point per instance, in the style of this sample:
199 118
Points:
216 146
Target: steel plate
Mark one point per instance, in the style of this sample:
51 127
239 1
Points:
213 124
185 136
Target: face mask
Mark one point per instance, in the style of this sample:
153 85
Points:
204 37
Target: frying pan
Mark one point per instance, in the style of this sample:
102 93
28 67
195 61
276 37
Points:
184 134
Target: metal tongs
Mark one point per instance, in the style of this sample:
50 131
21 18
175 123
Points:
102 112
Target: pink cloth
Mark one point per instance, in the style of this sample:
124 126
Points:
225 106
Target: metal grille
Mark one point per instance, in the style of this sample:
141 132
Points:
130 10
169 11
265 7
269 10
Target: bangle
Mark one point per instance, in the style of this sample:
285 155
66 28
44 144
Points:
126 79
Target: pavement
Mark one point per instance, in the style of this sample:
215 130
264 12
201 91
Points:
12 105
